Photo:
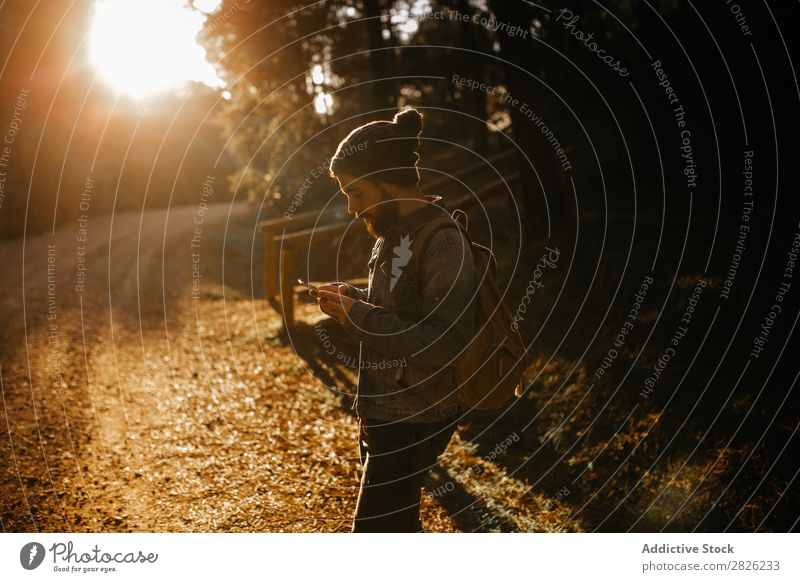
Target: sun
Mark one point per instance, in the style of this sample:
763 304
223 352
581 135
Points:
142 47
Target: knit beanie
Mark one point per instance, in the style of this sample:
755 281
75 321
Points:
384 151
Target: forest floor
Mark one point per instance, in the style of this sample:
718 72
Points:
132 406
135 407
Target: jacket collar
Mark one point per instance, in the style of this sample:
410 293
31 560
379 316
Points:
413 221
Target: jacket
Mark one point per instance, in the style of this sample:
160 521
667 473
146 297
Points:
414 324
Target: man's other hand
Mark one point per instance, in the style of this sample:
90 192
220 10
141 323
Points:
332 287
334 301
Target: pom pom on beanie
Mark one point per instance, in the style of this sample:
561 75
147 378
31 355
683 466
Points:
409 123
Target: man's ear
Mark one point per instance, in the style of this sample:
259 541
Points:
389 190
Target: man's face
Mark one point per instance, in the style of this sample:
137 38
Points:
370 202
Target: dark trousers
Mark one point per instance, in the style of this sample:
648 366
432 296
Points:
395 458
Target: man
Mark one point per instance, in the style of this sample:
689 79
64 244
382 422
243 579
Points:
414 321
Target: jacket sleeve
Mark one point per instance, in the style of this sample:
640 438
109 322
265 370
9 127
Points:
449 287
353 291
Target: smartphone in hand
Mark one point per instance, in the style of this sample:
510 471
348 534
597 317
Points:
311 288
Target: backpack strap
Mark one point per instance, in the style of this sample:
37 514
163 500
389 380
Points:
458 218
426 233
461 217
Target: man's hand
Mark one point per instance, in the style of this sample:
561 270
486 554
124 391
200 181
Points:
333 301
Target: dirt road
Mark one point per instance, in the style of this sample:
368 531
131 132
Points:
126 407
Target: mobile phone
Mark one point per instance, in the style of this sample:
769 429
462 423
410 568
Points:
308 285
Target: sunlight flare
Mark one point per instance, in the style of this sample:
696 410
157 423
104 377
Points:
142 47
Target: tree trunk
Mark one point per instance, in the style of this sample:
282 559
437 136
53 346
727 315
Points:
379 58
516 50
476 100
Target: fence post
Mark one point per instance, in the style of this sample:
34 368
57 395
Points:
287 273
269 265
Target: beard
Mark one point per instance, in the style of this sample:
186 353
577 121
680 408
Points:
381 217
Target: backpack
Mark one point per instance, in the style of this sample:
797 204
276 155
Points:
497 354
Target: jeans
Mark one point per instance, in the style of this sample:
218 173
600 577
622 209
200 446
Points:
395 457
